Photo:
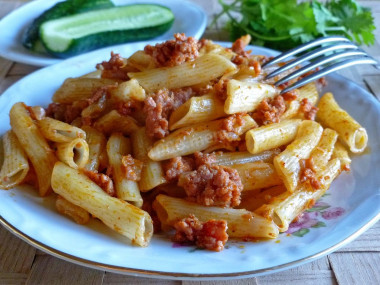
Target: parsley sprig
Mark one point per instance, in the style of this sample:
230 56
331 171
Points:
283 24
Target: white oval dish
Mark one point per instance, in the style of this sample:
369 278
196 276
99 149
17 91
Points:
351 206
189 19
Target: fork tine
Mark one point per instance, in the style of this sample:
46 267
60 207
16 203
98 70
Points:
317 63
334 67
310 55
306 46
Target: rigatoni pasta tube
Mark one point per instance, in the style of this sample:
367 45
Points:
241 223
97 147
286 207
271 136
341 152
331 115
257 175
79 215
74 153
287 163
80 88
34 144
114 122
201 70
152 174
240 157
197 110
58 131
321 154
188 140
128 190
117 214
15 165
246 96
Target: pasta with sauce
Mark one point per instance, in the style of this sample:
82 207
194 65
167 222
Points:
183 135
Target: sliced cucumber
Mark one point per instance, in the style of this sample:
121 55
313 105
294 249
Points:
70 7
79 33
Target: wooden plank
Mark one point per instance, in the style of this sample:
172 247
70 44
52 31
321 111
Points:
114 279
5 67
317 272
8 81
16 256
22 69
249 281
356 268
368 241
373 83
50 270
13 278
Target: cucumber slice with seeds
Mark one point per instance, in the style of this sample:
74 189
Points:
83 32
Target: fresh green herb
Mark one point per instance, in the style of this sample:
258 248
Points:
283 24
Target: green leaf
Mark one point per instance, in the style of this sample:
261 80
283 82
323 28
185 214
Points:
301 232
319 225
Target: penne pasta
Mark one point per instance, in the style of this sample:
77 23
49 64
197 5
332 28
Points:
246 96
284 208
321 154
15 164
114 122
202 69
231 158
196 138
74 89
124 218
97 148
257 175
74 153
127 190
287 163
196 110
152 174
341 153
34 144
79 215
58 131
271 136
331 115
241 223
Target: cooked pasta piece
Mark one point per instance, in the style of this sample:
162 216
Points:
321 154
58 131
119 215
196 110
241 223
97 148
271 136
34 144
152 174
230 158
74 153
128 90
331 115
201 70
246 96
126 189
195 138
74 89
284 208
114 122
257 175
287 163
79 215
341 152
15 165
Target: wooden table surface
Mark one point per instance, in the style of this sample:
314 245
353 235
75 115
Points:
355 263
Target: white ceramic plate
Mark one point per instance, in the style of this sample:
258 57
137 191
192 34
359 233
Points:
189 19
351 206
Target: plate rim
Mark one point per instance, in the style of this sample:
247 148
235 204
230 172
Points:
47 60
181 275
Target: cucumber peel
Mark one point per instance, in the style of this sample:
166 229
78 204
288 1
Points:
71 35
31 39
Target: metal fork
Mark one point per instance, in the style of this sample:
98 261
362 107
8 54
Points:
341 52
